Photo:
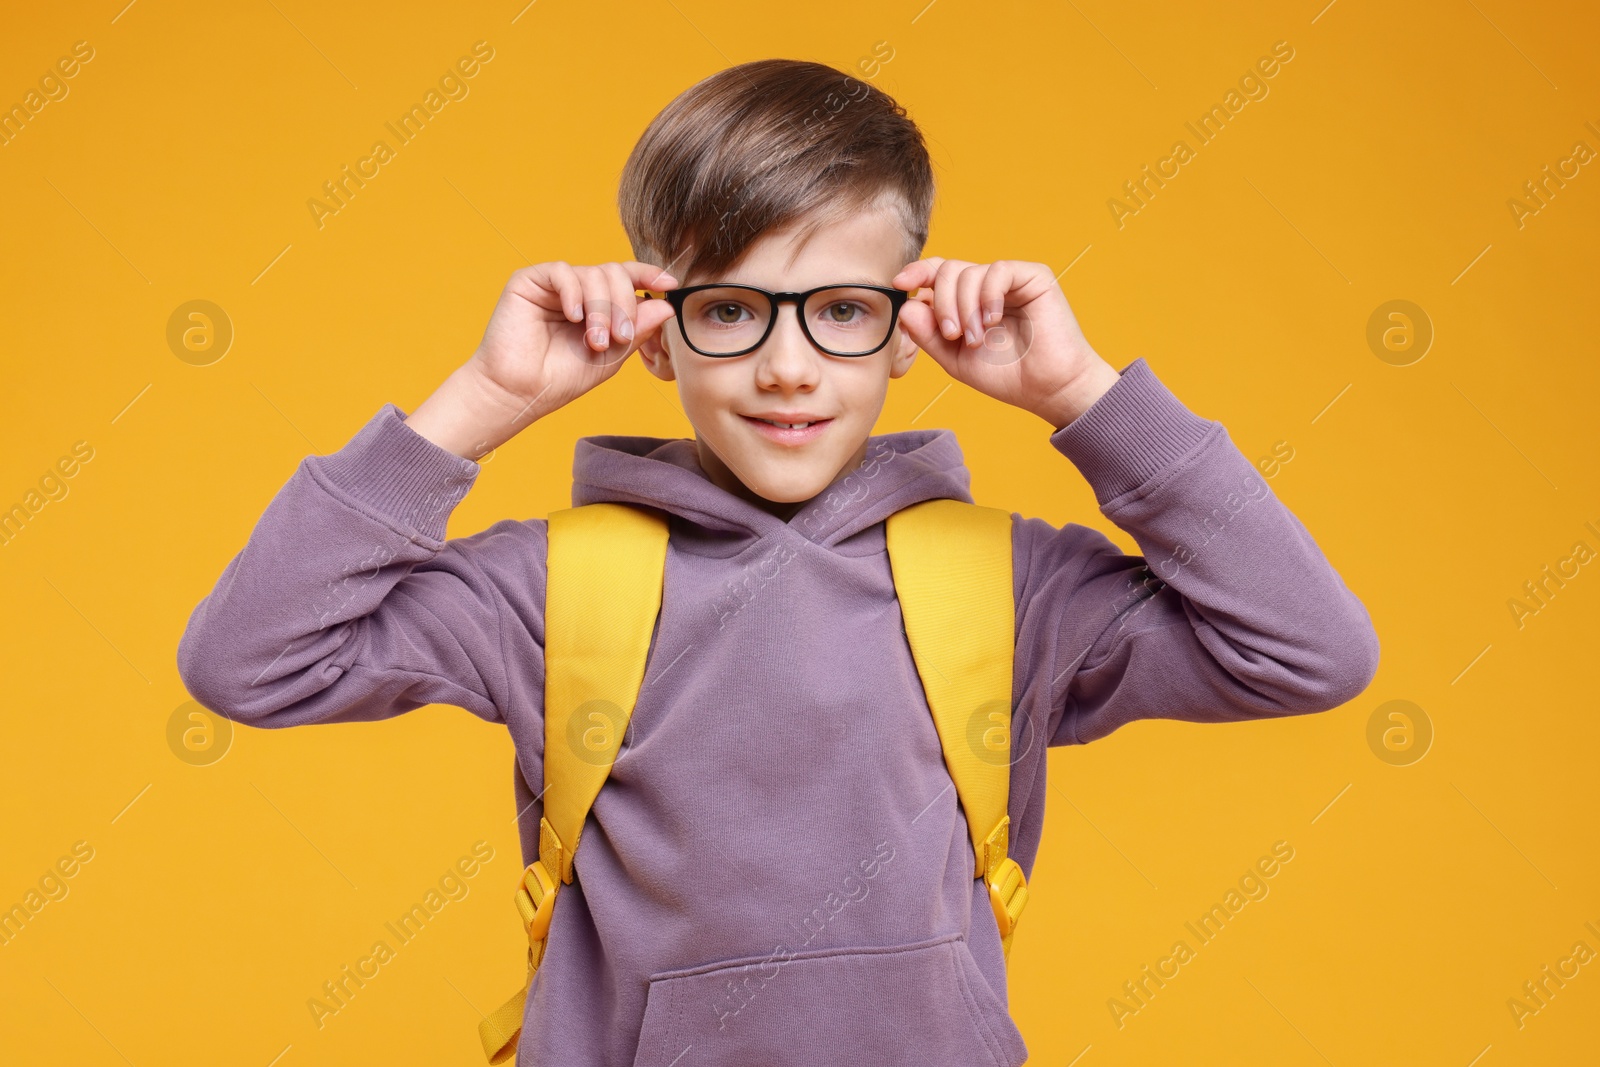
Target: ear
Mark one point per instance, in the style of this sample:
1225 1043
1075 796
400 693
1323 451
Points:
654 354
905 353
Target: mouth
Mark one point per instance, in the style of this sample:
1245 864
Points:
788 433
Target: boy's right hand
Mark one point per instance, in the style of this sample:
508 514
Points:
557 331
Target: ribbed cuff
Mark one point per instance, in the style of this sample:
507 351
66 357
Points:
1135 430
391 469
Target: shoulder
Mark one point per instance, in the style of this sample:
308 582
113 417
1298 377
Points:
1073 554
508 555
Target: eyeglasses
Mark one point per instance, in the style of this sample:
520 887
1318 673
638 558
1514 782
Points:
723 319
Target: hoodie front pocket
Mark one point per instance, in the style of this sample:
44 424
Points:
897 1006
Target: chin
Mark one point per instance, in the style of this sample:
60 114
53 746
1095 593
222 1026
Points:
792 489
783 476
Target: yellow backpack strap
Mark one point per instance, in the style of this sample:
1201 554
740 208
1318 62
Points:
604 575
951 563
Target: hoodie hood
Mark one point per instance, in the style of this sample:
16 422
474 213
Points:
899 469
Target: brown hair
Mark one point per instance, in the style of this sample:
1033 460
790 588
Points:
758 147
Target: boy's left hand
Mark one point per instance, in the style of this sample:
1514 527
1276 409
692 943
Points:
1005 329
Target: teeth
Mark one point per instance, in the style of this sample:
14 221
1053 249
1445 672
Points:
787 425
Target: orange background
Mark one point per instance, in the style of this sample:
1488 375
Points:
1422 893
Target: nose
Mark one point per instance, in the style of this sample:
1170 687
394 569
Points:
788 360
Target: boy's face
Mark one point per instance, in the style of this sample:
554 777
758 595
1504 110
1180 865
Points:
788 375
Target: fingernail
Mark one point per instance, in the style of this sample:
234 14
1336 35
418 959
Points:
625 331
949 327
991 316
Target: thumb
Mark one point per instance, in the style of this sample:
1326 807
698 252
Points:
916 318
649 316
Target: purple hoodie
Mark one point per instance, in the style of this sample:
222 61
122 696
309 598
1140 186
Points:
777 870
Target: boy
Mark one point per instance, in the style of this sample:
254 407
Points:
780 763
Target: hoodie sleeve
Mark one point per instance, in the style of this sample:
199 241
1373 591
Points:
1231 612
347 604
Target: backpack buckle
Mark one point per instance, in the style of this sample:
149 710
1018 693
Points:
535 899
1008 889
1008 892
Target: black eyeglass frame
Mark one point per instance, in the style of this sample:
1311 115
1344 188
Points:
897 299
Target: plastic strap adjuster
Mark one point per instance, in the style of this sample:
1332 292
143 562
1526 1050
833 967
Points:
535 899
1008 889
1008 893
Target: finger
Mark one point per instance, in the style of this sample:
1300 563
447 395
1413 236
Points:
944 297
967 302
552 286
920 324
623 301
650 317
916 274
648 276
560 280
596 308
997 284
917 320
571 290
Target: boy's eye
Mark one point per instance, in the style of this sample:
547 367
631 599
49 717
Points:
843 312
726 313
